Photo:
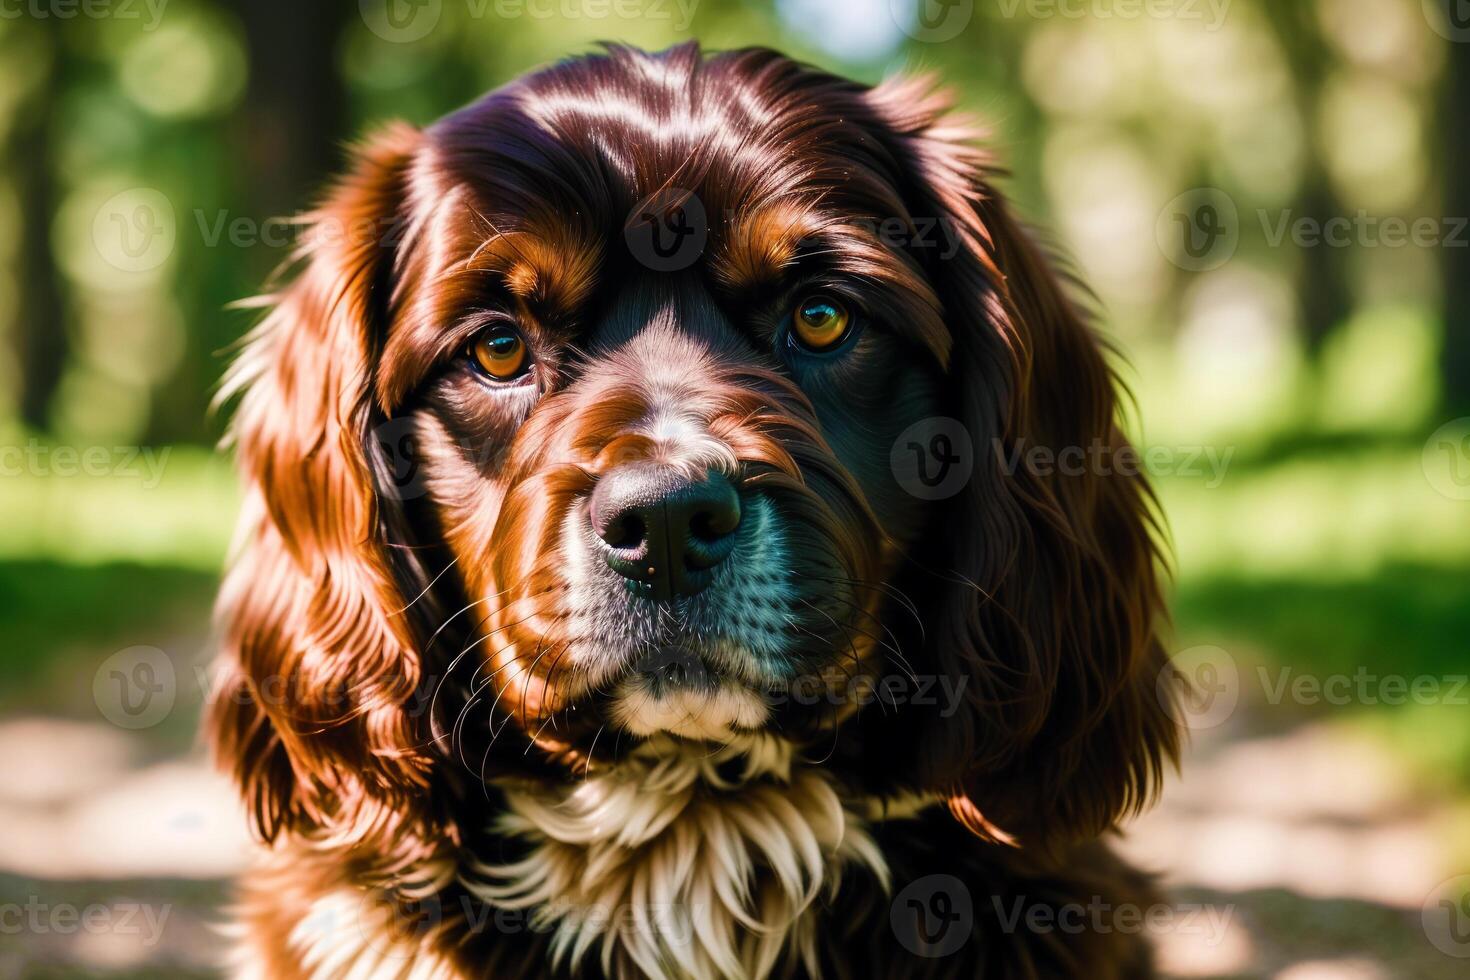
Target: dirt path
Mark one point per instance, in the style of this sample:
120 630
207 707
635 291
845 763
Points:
1313 850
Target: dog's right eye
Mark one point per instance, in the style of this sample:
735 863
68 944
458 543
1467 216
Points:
501 353
820 323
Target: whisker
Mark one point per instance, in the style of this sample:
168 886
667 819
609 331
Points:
427 588
587 766
898 655
550 672
892 591
479 686
434 698
530 673
857 660
530 595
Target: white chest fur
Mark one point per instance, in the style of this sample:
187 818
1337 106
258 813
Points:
670 863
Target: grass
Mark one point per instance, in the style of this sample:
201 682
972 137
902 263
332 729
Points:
1406 618
95 560
53 614
174 507
1394 643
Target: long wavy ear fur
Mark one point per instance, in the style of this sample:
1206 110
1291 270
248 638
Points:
1054 604
315 668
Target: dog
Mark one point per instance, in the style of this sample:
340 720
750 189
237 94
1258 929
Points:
639 575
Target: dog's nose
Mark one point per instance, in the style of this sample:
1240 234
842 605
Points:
664 532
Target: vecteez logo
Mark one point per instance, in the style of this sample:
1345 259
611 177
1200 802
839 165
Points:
401 21
932 21
934 916
934 458
1200 687
668 231
1199 230
1450 19
135 688
134 230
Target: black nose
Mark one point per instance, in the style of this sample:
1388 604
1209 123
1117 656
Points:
665 532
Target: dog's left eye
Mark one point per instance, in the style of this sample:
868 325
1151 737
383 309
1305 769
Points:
820 323
501 353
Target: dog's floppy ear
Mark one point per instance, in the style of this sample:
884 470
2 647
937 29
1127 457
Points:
315 666
1050 616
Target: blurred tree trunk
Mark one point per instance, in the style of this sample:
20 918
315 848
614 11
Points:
41 343
1455 362
285 140
294 116
1324 298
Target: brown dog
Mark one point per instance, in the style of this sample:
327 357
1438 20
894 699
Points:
638 573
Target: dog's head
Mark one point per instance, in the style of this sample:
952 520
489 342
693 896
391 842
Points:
681 394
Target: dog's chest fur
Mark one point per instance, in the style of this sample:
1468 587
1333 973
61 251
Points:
682 861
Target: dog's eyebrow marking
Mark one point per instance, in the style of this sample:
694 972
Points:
551 268
523 280
758 248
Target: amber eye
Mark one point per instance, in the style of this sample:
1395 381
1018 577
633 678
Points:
820 322
501 353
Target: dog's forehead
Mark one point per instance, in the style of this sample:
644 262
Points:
655 167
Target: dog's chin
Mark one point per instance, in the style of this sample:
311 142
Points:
713 716
682 695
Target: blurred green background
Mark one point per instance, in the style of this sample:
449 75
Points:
1268 198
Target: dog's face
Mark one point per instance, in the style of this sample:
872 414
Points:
654 380
602 377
